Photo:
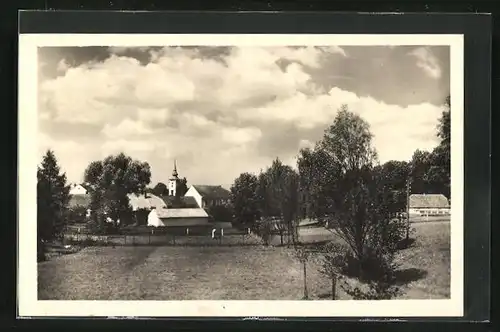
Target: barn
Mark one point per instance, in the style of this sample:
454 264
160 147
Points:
186 217
428 205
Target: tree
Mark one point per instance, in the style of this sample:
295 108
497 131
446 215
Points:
77 214
52 200
357 204
278 192
160 189
420 165
181 188
439 176
220 213
244 200
109 182
430 171
334 264
316 178
394 176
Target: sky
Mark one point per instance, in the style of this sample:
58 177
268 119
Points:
221 111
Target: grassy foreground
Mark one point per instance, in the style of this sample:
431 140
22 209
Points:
227 273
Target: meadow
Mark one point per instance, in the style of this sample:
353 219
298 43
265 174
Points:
229 272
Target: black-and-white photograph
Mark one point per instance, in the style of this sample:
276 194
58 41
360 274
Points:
244 172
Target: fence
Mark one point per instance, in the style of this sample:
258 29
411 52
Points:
138 236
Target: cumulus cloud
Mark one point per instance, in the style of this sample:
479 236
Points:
218 115
427 61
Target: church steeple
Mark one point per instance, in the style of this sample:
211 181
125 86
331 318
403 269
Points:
172 183
174 173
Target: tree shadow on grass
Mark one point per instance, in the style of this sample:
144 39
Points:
406 276
405 243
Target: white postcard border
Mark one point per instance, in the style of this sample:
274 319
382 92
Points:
30 306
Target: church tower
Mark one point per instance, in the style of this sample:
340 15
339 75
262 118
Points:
172 182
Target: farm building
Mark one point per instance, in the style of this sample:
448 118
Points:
77 189
165 217
207 196
428 205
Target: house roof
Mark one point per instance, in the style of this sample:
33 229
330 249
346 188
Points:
212 192
428 201
147 201
181 213
79 200
184 202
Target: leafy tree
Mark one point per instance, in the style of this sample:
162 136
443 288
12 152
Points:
316 180
278 190
182 187
109 182
160 189
439 176
430 171
220 213
244 200
420 164
52 200
357 204
394 176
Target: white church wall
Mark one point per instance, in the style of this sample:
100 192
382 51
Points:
192 192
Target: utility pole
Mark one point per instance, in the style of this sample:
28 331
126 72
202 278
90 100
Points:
407 210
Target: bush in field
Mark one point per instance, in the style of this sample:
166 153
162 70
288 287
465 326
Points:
264 229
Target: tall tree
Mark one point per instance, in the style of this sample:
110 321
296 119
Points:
316 178
52 200
357 205
109 182
394 176
244 200
278 192
439 176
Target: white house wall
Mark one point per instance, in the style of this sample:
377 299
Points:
192 192
78 190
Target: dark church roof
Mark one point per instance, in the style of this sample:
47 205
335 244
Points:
212 192
184 202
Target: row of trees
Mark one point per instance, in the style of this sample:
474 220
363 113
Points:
109 181
272 196
340 183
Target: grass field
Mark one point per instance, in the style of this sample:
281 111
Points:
228 273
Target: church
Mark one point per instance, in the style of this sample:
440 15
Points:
174 210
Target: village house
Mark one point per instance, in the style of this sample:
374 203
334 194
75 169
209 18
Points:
428 205
171 210
77 189
207 196
177 211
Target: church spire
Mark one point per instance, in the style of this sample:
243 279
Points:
172 183
174 173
